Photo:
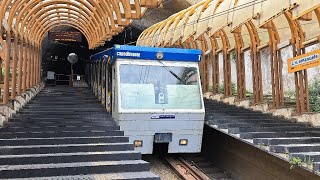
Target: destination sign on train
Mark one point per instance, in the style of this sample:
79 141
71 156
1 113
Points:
304 61
66 36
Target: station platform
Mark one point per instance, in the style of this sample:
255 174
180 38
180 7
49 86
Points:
64 133
297 143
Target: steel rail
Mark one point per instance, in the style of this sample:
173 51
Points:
185 169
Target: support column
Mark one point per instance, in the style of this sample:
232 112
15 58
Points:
226 65
14 68
28 66
205 65
31 65
215 66
1 75
301 84
24 66
7 69
301 77
39 64
276 66
256 63
19 87
240 64
34 66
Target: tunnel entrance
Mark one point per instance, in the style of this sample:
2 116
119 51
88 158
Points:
63 40
58 44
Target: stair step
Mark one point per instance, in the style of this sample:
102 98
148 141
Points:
59 129
74 109
64 112
58 123
61 116
294 148
64 106
252 135
63 140
258 124
63 169
271 129
64 120
245 121
288 140
51 158
307 157
64 148
8 135
145 175
65 133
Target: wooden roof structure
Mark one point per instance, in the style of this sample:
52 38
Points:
225 26
25 23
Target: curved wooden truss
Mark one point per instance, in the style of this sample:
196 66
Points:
244 26
25 23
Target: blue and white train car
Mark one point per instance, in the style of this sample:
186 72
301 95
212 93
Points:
154 95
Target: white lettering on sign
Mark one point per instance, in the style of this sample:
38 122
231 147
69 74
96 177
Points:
128 54
304 60
163 116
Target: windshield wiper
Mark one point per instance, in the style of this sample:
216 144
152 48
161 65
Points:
171 72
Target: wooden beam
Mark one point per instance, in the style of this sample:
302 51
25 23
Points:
7 69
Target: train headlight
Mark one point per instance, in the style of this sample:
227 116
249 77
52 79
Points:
138 143
183 142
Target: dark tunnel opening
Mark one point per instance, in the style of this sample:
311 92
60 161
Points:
55 52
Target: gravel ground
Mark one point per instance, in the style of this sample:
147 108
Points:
159 168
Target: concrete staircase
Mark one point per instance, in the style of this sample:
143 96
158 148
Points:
64 133
278 135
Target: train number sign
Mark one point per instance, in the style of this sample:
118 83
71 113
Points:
304 61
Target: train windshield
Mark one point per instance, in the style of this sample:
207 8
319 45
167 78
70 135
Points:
159 87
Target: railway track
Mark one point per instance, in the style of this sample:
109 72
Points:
196 167
185 169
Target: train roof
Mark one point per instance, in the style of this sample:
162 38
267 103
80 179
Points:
149 53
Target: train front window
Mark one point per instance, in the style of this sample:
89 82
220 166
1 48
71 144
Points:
159 87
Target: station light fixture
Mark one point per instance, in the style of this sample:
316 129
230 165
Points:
183 142
138 143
